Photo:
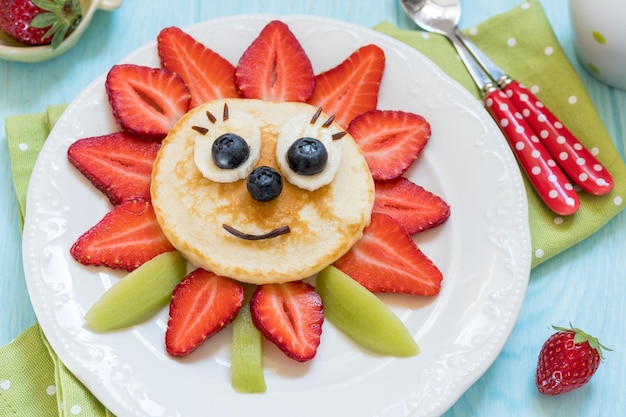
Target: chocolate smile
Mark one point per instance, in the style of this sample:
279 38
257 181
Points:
246 236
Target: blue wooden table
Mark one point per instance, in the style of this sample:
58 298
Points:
585 285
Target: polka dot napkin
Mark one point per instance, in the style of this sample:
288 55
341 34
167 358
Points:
523 44
33 382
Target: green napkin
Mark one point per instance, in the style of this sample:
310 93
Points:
33 382
523 44
26 135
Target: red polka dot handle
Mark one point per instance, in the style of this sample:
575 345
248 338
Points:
542 171
574 159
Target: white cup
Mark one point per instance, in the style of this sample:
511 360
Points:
599 31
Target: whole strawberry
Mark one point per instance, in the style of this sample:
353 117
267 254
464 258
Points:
567 361
39 22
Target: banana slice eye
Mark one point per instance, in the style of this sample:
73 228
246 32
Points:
229 148
307 151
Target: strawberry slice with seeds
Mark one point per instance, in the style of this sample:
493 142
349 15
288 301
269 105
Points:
275 67
415 208
202 304
146 101
119 164
125 238
206 74
390 140
290 315
387 260
350 88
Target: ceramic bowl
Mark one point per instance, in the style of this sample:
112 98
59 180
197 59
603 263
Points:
599 35
12 50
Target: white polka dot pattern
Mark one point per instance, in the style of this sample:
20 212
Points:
548 180
574 159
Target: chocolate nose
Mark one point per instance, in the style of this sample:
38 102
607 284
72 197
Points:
264 183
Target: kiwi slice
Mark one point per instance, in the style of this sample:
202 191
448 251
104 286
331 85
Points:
247 360
138 295
362 316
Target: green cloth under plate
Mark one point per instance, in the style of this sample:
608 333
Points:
33 382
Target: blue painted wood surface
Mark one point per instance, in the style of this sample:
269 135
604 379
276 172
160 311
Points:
585 285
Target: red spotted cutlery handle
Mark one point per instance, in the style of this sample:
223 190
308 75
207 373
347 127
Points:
573 158
546 177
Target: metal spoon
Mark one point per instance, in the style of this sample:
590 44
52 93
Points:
551 184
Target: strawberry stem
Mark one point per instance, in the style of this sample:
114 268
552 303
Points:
60 16
582 337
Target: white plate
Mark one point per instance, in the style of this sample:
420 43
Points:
483 251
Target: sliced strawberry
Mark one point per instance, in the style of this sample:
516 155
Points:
350 88
146 101
390 140
387 260
206 74
275 67
202 304
415 208
119 164
125 238
290 315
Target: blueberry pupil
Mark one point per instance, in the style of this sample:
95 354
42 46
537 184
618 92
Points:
264 184
307 156
229 151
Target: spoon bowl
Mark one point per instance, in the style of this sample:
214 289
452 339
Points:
12 50
438 16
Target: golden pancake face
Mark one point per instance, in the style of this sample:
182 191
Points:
208 213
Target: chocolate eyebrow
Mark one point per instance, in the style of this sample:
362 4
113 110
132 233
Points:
210 116
339 135
329 122
316 115
200 129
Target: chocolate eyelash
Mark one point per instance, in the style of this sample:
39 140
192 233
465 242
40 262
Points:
200 129
329 122
339 135
316 115
212 119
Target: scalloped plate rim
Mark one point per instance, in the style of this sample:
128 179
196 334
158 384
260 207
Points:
59 300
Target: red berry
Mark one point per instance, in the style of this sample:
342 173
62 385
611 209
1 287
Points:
390 140
125 238
387 260
290 315
567 361
118 164
202 304
206 74
39 22
275 67
415 208
146 102
351 88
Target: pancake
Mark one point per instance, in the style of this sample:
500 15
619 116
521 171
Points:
218 226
